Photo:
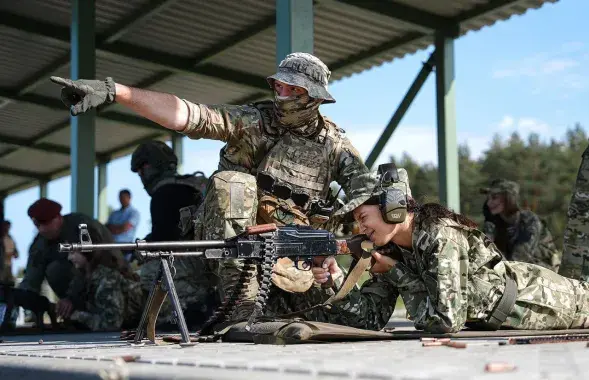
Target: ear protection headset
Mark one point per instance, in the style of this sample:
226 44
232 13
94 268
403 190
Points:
392 201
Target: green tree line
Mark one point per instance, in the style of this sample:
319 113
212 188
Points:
545 171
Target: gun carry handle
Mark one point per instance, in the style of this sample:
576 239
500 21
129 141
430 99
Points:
261 228
158 300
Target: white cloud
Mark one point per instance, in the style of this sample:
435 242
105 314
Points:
559 61
506 122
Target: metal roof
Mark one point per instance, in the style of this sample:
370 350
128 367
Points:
210 52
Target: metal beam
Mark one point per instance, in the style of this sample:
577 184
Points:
157 60
294 27
178 148
43 185
449 183
102 192
345 63
22 173
43 147
83 127
401 110
422 20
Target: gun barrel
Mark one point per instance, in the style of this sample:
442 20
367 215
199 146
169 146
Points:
148 246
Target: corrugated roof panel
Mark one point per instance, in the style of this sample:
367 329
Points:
446 8
23 55
5 147
202 89
108 12
122 70
109 134
191 26
8 181
35 161
27 120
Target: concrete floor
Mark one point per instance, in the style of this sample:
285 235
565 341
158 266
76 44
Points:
99 355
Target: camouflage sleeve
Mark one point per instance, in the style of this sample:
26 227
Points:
107 307
367 308
35 269
436 301
349 164
221 122
526 247
489 229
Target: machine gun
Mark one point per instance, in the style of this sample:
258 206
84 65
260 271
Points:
264 243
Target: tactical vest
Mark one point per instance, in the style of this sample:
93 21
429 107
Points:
303 165
191 180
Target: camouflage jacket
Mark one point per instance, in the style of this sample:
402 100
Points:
111 299
44 252
454 275
529 241
251 131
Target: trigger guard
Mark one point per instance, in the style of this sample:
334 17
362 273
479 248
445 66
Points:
303 265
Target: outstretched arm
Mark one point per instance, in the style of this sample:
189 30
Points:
167 110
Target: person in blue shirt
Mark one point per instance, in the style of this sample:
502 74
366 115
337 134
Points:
123 222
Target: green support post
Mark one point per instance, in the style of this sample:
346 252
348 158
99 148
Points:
416 86
83 66
449 183
43 189
294 27
102 192
178 149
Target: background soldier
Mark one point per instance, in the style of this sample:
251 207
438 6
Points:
156 165
46 262
575 258
519 234
277 165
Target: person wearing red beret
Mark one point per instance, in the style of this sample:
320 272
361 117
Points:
46 262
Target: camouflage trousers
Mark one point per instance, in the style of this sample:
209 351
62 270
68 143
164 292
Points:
575 258
230 205
547 300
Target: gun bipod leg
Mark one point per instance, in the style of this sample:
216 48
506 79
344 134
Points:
176 304
141 329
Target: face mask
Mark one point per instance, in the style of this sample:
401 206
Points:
296 111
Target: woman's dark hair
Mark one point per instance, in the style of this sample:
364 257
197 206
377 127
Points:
437 211
109 260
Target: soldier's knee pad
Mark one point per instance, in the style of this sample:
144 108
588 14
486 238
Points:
230 205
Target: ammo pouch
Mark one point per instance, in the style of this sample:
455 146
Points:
190 229
293 331
274 210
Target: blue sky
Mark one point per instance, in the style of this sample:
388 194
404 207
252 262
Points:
530 74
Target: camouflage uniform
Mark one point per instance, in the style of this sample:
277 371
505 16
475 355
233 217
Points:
45 260
453 277
528 238
269 149
576 234
111 300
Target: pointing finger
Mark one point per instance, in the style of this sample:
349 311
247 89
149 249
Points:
61 81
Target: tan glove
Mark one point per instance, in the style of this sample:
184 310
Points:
287 277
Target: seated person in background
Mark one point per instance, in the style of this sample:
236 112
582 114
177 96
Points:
46 262
519 234
448 273
114 298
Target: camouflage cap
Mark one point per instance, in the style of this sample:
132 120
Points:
366 186
306 71
501 185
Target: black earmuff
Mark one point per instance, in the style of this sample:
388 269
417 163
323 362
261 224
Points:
392 201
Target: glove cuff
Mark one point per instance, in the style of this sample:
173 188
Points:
111 90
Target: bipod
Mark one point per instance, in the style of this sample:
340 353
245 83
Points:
163 286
